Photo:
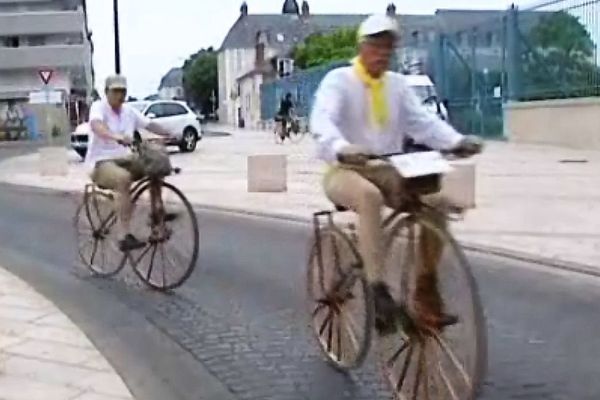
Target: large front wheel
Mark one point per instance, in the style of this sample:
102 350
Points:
170 231
421 361
340 300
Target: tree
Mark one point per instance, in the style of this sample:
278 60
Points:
200 79
560 61
321 49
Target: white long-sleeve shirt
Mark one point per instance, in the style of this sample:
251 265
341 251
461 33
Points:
341 115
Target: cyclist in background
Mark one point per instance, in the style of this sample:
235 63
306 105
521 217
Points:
284 115
364 110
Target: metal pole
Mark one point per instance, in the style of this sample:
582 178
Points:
514 55
117 37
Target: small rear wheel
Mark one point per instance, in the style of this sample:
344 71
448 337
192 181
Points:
340 300
97 238
171 237
432 362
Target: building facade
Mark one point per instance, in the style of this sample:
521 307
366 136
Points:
258 47
171 85
46 35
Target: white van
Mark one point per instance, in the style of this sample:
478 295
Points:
425 90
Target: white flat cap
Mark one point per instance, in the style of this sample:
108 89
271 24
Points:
116 82
378 23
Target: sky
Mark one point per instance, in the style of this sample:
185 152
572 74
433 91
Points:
157 35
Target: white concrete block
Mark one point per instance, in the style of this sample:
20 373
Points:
267 173
54 161
458 186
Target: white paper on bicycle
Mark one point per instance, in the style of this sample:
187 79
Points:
413 165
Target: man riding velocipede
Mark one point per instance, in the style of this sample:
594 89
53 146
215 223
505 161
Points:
363 111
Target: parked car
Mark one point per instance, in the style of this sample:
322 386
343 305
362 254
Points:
80 137
425 90
175 116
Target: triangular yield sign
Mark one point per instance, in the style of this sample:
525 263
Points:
46 75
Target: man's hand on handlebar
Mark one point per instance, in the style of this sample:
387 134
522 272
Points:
354 154
468 146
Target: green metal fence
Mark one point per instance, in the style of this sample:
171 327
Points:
544 51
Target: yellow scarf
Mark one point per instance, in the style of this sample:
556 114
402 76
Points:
377 89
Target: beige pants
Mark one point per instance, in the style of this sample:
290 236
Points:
366 190
118 175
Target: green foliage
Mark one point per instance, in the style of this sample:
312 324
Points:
560 61
322 49
200 78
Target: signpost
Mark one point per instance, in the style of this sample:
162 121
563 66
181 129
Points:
46 76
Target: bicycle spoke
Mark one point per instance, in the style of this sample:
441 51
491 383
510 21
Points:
397 354
320 307
339 338
405 367
151 267
162 256
103 250
94 251
325 322
426 378
336 256
349 326
446 349
446 381
420 370
330 333
143 254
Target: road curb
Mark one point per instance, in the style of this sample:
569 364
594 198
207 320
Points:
470 246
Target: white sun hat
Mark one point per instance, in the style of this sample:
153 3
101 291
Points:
378 23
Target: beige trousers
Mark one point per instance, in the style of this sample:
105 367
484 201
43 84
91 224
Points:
366 190
118 175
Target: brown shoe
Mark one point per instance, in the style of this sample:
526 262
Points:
385 310
429 306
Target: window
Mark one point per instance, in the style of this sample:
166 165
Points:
285 67
174 109
460 39
11 41
36 40
432 36
239 55
416 38
490 39
158 110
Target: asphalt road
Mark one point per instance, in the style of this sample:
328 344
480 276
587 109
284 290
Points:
238 328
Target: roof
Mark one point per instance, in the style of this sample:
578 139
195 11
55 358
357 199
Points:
173 78
285 31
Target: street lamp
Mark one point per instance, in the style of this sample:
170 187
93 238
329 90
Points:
117 38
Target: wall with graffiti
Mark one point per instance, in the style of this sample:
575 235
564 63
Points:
17 121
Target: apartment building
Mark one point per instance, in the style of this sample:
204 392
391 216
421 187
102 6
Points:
46 34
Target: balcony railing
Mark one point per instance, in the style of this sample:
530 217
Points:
41 23
45 56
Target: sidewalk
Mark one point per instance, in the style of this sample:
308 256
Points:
44 356
531 200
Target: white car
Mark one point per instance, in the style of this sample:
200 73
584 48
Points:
176 117
425 90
